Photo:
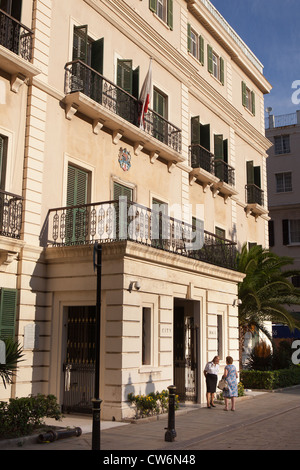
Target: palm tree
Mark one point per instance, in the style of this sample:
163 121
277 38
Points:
266 291
13 356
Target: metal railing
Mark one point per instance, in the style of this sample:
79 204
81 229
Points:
11 208
80 77
15 36
200 157
224 172
112 221
254 195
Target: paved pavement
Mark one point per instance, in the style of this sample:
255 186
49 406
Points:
262 421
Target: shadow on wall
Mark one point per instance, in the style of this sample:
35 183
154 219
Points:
129 388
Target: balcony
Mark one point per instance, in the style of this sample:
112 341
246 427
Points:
108 105
255 200
11 208
114 221
211 171
16 50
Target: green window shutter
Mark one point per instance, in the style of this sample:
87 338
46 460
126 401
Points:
153 5
285 232
219 148
205 136
170 14
8 308
195 130
77 186
189 37
97 48
257 176
124 75
121 190
201 50
80 43
222 79
2 176
225 150
253 102
135 82
244 94
159 103
250 172
210 58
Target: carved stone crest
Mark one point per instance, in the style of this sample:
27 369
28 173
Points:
124 159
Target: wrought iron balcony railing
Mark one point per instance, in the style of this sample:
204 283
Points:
113 221
15 36
80 77
200 157
254 195
224 172
11 208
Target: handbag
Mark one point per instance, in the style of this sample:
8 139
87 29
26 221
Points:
223 384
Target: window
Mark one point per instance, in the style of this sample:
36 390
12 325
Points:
121 190
271 233
291 231
86 49
160 125
127 77
8 307
195 44
220 336
282 144
283 182
164 10
296 281
248 98
146 336
77 194
215 64
3 159
12 7
220 232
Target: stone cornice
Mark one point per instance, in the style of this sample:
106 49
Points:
147 254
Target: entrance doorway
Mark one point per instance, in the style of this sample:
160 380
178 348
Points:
79 363
186 350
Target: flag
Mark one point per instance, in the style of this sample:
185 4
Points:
145 96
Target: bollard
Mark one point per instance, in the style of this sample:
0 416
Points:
52 436
171 433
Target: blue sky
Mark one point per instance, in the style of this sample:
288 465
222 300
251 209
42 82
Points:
271 29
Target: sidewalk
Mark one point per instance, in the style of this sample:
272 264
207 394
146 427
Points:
194 425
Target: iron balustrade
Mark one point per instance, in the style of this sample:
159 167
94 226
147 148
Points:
11 209
200 157
254 195
224 172
79 77
15 36
112 221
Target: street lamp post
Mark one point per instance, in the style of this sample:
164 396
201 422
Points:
96 400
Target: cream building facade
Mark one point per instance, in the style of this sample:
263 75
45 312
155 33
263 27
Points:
83 170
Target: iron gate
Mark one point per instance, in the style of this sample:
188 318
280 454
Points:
185 356
79 366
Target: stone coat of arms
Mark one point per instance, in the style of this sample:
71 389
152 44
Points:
124 159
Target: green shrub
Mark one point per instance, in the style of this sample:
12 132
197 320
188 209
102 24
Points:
270 380
151 404
20 416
